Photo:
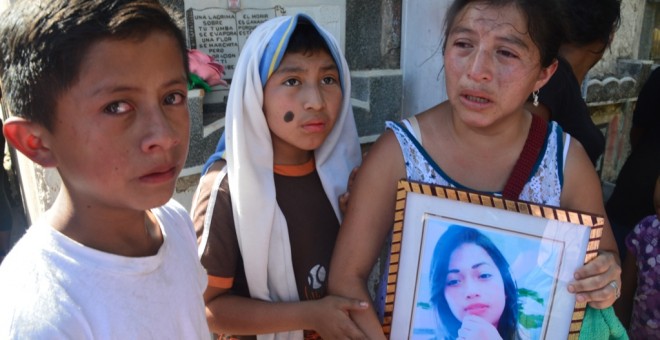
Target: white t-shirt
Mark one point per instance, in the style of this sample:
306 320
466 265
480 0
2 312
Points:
52 287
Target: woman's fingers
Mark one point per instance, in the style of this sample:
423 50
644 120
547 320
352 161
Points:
598 282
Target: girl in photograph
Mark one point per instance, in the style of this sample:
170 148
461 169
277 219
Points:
472 288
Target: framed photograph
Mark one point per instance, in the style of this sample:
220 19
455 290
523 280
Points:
467 262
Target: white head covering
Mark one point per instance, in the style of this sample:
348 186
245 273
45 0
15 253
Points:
261 228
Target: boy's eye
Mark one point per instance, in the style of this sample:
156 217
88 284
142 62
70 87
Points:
117 108
329 81
174 99
291 82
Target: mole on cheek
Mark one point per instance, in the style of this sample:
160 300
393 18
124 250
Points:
288 116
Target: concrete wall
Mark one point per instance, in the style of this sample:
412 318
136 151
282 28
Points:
625 44
373 49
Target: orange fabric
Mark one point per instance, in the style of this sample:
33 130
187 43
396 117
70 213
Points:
295 170
221 282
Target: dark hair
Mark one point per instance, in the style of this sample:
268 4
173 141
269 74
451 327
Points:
589 21
544 29
43 44
452 239
306 39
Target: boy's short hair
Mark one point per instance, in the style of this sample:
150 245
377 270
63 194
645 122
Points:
306 39
43 44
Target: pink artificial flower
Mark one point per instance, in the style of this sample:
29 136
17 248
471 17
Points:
204 66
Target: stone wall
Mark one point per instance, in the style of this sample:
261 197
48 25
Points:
611 100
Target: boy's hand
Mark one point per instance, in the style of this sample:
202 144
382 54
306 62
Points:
343 199
330 317
598 282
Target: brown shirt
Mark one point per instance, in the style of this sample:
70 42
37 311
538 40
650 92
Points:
311 222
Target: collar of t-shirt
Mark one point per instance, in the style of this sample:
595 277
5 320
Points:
296 170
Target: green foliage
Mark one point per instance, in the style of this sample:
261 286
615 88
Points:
196 82
529 321
524 292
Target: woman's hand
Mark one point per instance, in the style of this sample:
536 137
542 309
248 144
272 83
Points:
477 328
598 282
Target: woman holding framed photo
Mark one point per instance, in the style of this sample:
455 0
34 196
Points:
496 53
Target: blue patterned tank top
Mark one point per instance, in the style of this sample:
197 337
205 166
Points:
543 187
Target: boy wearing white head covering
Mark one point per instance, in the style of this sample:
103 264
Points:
268 219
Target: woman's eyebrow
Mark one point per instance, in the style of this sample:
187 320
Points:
474 266
512 39
507 38
477 265
460 29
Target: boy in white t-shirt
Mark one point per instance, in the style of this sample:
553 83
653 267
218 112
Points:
97 89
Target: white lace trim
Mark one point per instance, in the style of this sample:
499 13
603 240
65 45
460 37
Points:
543 188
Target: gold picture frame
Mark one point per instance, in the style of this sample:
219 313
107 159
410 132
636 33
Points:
543 244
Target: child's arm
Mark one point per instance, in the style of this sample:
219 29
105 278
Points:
623 306
236 315
582 192
368 221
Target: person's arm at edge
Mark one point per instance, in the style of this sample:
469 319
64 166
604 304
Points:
582 192
368 221
231 314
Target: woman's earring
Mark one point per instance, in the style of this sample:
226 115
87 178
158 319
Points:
535 95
